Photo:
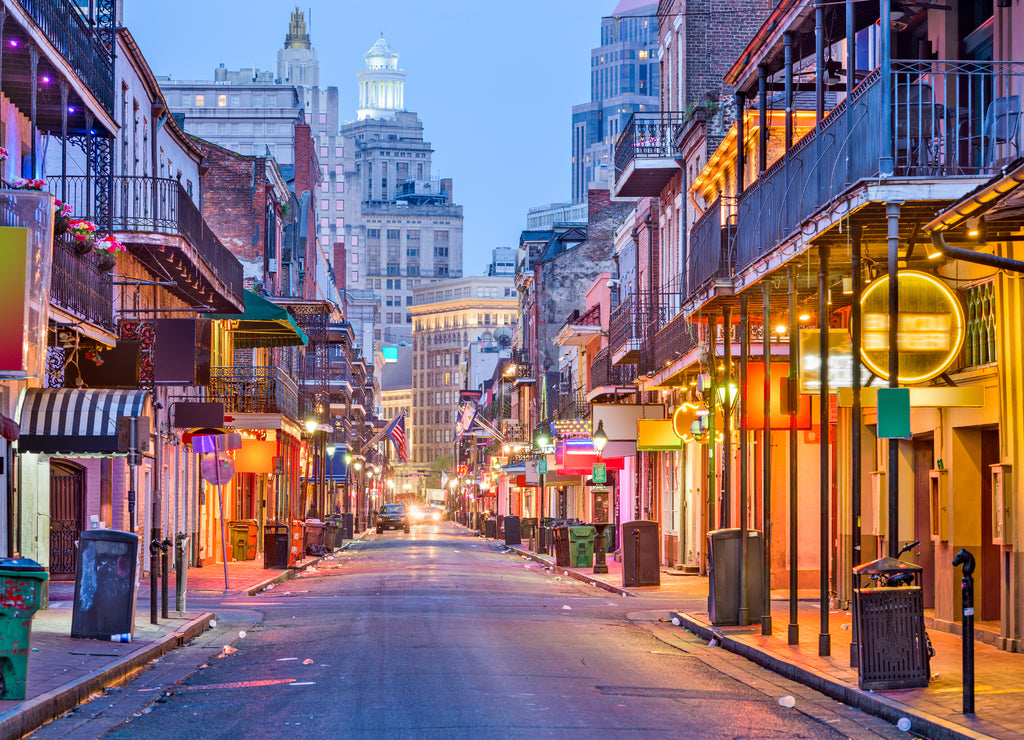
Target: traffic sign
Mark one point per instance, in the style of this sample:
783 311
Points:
600 473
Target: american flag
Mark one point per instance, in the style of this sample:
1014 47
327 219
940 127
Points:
396 433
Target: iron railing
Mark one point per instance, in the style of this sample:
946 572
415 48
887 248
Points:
254 390
646 136
156 205
666 334
62 23
710 253
624 327
79 287
947 118
573 405
979 302
603 373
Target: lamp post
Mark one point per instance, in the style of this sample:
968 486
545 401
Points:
600 505
330 448
542 548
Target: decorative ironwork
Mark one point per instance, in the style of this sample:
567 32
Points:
980 331
143 332
78 286
710 254
64 534
646 136
56 364
254 390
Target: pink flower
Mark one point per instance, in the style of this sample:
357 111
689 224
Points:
109 244
63 209
81 229
20 183
3 154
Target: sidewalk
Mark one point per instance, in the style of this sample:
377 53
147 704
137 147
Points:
934 712
64 671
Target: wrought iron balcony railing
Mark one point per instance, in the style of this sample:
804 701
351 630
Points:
710 249
573 405
646 136
604 374
948 119
254 390
669 335
79 287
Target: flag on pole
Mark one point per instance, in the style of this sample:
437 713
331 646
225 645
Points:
444 479
396 433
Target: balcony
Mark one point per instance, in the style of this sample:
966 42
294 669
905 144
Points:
254 390
624 332
605 376
147 209
710 250
573 405
644 156
669 336
949 121
80 288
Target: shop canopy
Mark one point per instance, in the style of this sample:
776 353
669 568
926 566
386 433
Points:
66 421
264 324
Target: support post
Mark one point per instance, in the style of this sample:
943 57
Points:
793 635
856 234
766 460
819 61
741 135
744 608
966 561
885 160
892 214
787 42
824 638
154 572
762 118
727 419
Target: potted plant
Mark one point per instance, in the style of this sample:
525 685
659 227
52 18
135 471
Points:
20 183
107 250
83 234
61 218
3 155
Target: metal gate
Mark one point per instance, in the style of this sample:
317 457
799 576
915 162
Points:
67 510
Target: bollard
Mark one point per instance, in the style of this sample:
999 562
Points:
181 567
164 573
154 571
966 561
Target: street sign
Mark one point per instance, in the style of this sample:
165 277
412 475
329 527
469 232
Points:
542 467
600 473
217 468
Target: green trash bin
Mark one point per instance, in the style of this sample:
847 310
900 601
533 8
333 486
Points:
581 546
529 527
21 590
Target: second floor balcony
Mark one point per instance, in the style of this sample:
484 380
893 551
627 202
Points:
711 256
254 390
606 376
162 228
645 159
80 288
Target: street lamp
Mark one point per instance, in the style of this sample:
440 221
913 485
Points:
542 441
600 438
600 505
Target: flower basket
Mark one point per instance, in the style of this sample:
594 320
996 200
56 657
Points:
107 250
106 261
83 235
20 183
61 224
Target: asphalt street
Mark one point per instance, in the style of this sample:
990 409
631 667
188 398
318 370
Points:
441 634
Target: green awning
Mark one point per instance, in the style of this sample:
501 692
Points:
264 324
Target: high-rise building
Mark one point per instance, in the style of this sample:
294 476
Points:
623 81
402 226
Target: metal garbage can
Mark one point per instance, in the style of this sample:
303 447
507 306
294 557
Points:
500 527
491 528
581 546
313 541
528 526
513 536
331 527
892 648
275 545
21 593
335 530
641 554
560 544
242 539
724 576
105 584
347 529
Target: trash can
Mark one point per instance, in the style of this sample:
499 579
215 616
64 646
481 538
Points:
491 528
242 539
641 554
581 546
500 526
724 576
892 648
333 536
275 545
105 584
347 525
313 542
21 590
560 544
513 535
528 526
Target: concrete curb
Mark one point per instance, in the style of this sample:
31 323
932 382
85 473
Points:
567 572
922 723
35 712
288 573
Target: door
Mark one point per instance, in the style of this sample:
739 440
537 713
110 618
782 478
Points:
987 575
67 517
924 553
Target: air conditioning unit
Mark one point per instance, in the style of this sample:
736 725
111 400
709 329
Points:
272 264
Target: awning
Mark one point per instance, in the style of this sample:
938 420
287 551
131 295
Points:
65 421
264 324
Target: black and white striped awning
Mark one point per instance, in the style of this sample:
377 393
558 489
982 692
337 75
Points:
65 421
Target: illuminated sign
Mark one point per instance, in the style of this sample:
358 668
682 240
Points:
930 330
840 360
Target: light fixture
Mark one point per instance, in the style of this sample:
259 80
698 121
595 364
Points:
974 229
733 391
804 316
781 328
600 438
330 449
310 425
348 458
543 440
933 253
848 286
358 464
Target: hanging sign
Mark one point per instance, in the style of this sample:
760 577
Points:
930 330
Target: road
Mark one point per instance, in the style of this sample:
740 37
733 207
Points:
441 634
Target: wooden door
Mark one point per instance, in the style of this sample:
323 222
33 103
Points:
67 517
924 554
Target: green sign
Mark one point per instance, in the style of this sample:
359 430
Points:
600 473
542 467
894 413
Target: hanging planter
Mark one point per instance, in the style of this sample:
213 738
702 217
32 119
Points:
106 261
107 250
83 235
61 218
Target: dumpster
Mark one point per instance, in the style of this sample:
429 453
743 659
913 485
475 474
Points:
724 580
242 539
641 554
313 541
275 545
892 650
491 528
512 532
105 584
21 591
581 546
560 544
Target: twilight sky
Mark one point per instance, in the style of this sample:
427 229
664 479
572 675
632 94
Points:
493 83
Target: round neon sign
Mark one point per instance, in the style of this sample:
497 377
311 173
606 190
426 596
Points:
930 332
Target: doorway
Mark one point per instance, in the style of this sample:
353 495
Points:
924 456
988 570
67 517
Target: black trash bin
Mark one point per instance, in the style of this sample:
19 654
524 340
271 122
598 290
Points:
560 544
105 584
491 528
641 554
513 536
275 545
892 648
346 525
724 576
332 529
500 530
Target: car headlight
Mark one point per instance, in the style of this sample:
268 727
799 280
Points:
437 517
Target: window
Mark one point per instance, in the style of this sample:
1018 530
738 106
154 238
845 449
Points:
355 258
200 101
324 187
355 276
339 152
257 100
325 223
222 101
236 101
339 170
271 128
324 204
339 187
323 152
340 223
323 120
354 241
339 205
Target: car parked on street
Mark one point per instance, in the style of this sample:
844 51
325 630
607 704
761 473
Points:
393 516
